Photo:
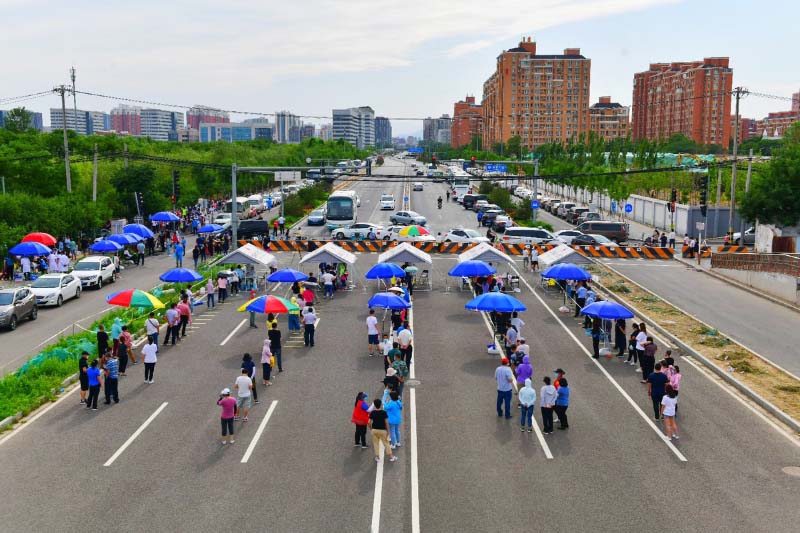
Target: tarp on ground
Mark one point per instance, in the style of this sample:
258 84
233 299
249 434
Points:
329 253
486 253
405 253
249 255
561 254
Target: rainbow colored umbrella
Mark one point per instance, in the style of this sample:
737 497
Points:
269 304
134 298
413 231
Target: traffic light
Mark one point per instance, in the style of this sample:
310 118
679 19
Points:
704 195
176 185
139 203
433 159
674 196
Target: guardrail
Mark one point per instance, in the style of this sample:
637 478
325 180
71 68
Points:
779 263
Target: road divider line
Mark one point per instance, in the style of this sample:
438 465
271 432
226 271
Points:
259 431
375 527
232 333
135 434
412 398
602 369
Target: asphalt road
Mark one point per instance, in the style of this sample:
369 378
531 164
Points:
611 471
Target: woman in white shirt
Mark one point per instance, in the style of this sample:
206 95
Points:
669 404
641 339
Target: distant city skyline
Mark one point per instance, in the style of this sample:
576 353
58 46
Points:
414 67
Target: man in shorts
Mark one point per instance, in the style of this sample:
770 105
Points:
244 386
372 332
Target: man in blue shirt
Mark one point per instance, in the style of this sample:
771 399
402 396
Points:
112 379
656 384
140 250
179 255
505 378
580 298
93 375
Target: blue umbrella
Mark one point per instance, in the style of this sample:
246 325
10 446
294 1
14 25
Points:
385 271
607 310
287 275
124 238
568 271
472 269
210 228
105 246
495 301
388 300
164 216
139 229
30 248
180 275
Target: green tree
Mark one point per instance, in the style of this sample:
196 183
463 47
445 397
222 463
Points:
19 120
514 147
136 178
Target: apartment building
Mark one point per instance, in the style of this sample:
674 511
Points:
355 125
608 119
467 122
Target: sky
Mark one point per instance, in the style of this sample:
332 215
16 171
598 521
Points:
409 59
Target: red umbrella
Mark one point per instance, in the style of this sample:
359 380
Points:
41 238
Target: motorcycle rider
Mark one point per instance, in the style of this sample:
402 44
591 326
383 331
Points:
439 201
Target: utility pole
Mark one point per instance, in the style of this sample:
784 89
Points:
75 98
535 186
719 198
234 210
746 190
62 90
738 92
94 175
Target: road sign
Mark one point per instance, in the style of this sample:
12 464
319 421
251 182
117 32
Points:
628 208
613 206
496 167
284 176
308 160
405 198
701 226
415 150
534 204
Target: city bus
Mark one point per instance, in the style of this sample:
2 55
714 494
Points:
342 209
461 186
242 206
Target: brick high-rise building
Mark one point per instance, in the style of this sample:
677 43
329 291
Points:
796 102
692 98
775 124
747 128
125 118
467 122
540 98
609 119
207 115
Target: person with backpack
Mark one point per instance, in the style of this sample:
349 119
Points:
360 418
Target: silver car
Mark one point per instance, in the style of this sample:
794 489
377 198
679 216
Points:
16 304
406 218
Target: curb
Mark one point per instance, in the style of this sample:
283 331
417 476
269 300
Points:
752 395
10 420
741 286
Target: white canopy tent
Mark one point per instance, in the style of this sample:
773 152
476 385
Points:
329 253
249 255
405 253
484 252
561 254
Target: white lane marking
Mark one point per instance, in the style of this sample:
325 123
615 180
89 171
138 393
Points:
702 370
259 431
375 527
232 333
412 397
135 434
39 414
602 369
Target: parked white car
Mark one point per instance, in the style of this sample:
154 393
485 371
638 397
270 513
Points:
464 235
94 270
54 289
567 235
222 218
361 228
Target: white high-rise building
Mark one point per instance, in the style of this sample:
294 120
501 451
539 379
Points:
355 125
75 122
161 125
284 122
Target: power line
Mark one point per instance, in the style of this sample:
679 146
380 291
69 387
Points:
25 96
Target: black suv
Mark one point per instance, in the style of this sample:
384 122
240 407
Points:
469 200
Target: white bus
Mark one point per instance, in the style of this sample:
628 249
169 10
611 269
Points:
461 186
342 209
242 206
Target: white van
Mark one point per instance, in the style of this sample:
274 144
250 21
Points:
520 235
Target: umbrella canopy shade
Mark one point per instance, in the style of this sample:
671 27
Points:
41 238
164 216
387 300
124 239
30 248
413 231
495 301
471 269
139 229
180 275
287 275
269 304
607 310
385 271
105 246
134 298
210 228
568 271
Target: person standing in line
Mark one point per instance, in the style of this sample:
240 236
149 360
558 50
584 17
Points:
294 316
534 258
179 255
112 372
527 399
405 339
562 403
250 366
228 405
597 326
172 316
669 404
672 238
580 298
620 338
360 418
210 294
140 250
633 355
244 388
504 377
385 347
517 322
309 320
394 409
152 325
641 339
25 263
327 282
83 377
274 335
184 315
372 332
150 357
196 255
222 288
116 331
401 368
526 258
379 424
266 362
93 377
122 353
675 382
648 358
102 340
524 372
656 385
548 395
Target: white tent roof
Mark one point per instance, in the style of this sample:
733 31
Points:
484 252
561 254
329 253
405 253
249 255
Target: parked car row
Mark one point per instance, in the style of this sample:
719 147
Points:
587 221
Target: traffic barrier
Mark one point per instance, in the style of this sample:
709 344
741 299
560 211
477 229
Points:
625 252
726 249
685 252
